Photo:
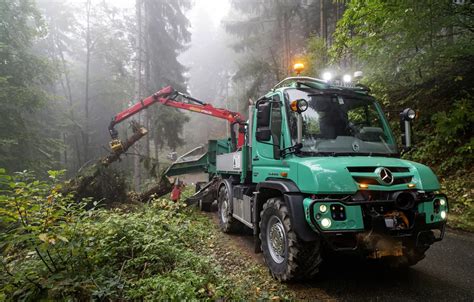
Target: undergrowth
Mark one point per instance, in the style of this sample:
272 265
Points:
460 191
55 248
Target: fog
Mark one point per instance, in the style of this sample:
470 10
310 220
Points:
91 59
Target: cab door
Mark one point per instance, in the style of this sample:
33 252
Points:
267 139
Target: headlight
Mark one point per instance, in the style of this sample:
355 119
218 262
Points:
442 202
442 214
325 223
347 78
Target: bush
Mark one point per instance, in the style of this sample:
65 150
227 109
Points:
54 248
448 143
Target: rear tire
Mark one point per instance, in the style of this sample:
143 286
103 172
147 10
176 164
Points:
227 223
286 255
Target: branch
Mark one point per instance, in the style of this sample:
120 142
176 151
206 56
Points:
42 259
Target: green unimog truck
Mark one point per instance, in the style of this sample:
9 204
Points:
320 169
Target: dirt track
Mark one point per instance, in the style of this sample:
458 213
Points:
447 273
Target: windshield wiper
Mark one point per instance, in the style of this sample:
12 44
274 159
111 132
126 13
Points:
336 154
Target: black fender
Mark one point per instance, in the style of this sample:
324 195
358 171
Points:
298 218
282 185
293 199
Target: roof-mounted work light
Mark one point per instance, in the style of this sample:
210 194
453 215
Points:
346 78
327 76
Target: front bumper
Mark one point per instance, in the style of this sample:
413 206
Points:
364 230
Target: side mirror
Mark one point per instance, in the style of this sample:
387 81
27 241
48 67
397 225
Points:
263 132
406 117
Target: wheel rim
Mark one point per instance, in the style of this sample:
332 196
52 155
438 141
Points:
276 239
224 208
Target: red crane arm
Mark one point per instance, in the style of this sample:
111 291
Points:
167 96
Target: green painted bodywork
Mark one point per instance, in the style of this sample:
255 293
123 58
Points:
353 221
329 174
428 209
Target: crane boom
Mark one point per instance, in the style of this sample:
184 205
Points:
168 97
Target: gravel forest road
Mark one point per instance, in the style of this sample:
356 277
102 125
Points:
446 274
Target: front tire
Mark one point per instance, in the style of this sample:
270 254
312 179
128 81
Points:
287 256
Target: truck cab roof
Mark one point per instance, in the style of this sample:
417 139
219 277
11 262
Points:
323 86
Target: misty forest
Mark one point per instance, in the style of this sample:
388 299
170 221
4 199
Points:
86 216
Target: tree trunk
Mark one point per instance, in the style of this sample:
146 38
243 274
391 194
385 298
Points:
147 89
68 93
138 85
286 43
85 134
323 20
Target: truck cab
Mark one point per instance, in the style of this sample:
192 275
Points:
321 169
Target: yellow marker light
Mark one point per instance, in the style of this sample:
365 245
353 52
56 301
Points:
294 106
411 185
363 186
298 68
283 174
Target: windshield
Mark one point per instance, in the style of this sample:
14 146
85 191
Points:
341 124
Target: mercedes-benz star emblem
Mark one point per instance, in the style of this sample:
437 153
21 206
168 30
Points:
385 176
355 146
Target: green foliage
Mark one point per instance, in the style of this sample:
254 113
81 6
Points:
23 78
53 248
315 57
404 42
267 33
167 32
38 225
417 54
459 188
450 140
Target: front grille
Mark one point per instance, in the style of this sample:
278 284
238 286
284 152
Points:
373 181
372 169
402 180
366 180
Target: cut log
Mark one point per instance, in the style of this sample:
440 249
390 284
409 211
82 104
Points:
114 156
163 187
101 183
